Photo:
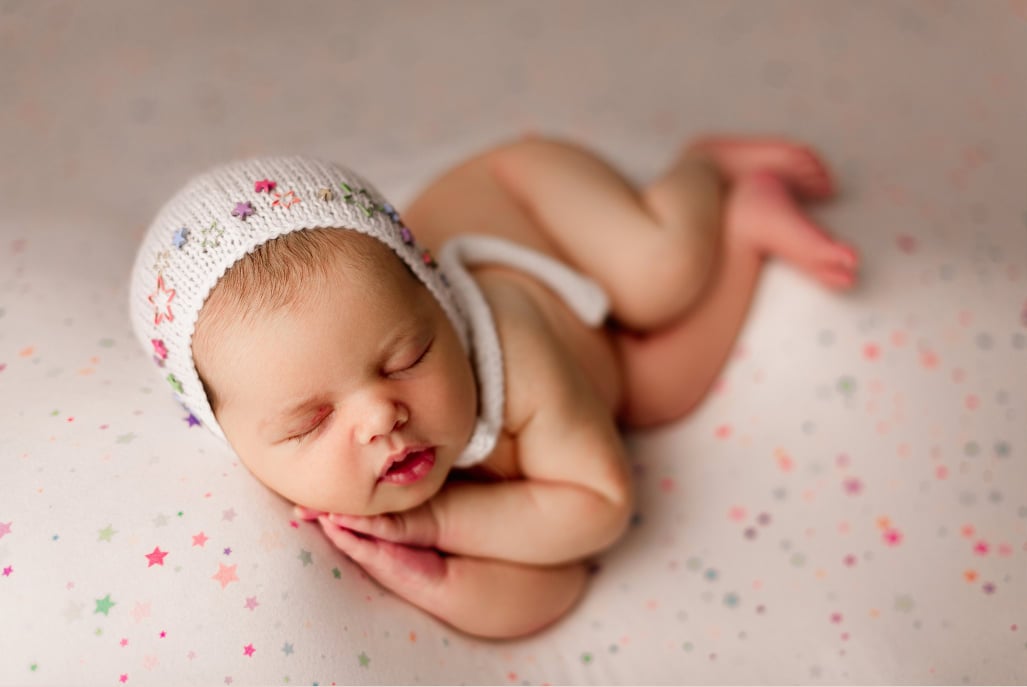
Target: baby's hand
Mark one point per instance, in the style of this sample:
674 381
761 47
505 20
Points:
415 527
406 570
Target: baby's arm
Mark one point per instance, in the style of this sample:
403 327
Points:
488 598
575 498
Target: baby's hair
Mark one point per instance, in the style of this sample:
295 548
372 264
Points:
275 276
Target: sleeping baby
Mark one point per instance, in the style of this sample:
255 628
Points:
443 392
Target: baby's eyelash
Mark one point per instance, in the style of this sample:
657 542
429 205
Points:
423 355
420 359
303 435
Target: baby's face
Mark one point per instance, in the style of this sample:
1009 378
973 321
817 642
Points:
358 399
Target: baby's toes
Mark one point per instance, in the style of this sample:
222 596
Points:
811 174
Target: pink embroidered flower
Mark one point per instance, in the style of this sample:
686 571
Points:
287 200
159 349
264 185
161 299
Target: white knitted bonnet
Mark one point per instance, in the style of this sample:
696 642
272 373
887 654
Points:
224 214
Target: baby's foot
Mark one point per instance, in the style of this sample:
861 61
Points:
805 172
762 211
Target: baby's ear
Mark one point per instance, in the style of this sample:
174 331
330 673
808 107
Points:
304 513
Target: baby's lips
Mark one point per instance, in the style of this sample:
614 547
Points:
304 513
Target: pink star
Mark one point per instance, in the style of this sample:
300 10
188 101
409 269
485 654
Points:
248 649
892 537
163 634
200 539
251 602
123 678
226 574
5 528
156 557
8 570
981 548
159 349
141 611
264 185
124 642
836 618
161 302
853 486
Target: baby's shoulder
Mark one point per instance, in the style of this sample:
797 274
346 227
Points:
539 367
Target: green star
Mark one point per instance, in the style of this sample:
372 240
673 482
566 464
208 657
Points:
104 605
125 438
336 573
305 557
586 658
364 660
34 667
106 533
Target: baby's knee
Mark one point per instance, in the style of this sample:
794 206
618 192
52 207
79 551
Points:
663 279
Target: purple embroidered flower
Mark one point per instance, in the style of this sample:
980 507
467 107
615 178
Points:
243 210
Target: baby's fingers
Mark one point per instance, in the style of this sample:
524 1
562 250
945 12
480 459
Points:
398 567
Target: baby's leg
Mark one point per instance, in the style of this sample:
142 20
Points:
668 372
651 251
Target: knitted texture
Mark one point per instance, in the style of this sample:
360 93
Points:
222 215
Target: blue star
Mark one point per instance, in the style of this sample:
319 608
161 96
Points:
181 236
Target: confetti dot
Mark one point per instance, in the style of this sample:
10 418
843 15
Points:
846 386
731 600
904 603
971 448
798 560
711 574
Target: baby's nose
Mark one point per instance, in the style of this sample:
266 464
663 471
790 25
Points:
382 418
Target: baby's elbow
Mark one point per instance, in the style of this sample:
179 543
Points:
623 510
618 508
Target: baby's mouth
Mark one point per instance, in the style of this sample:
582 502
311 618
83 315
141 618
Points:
409 466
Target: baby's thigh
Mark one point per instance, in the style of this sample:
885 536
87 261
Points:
467 199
